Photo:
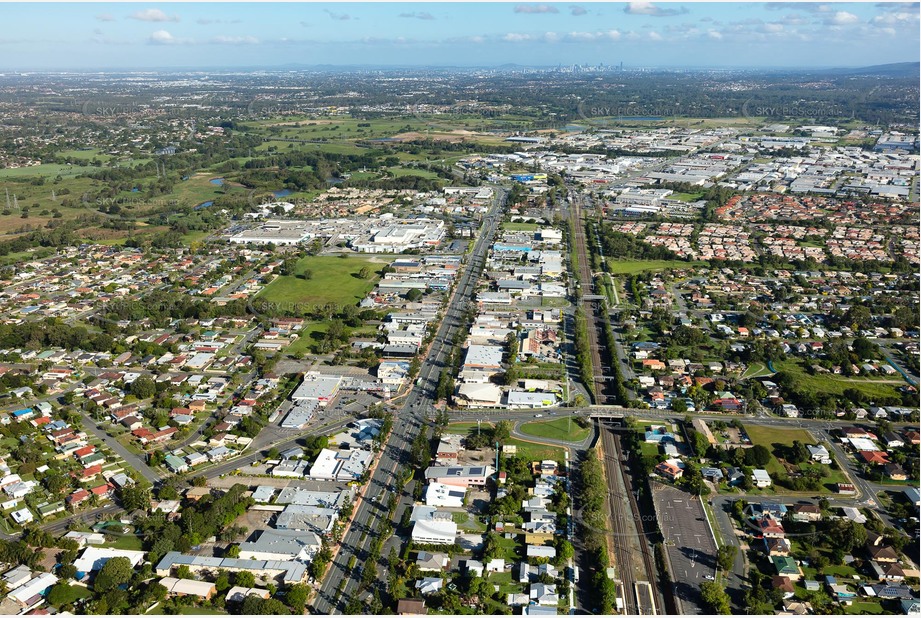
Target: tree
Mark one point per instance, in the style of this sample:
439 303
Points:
725 556
715 597
364 272
143 387
134 497
679 405
296 597
245 579
760 455
114 573
63 594
502 431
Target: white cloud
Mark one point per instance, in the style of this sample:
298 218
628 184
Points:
842 18
716 35
153 15
648 8
105 17
577 10
655 36
162 37
235 40
772 27
895 19
534 9
338 16
420 15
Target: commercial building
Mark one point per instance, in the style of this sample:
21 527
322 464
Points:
282 545
317 388
288 571
460 476
188 587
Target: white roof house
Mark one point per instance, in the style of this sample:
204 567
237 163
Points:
93 558
439 494
35 586
433 532
188 587
761 478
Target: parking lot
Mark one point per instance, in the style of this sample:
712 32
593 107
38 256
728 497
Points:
688 542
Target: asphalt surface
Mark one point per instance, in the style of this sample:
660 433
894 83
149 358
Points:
342 582
688 542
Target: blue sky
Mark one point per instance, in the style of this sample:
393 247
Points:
639 34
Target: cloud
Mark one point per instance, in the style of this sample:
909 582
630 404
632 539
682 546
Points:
898 6
420 15
338 16
896 19
153 15
535 9
648 8
655 36
208 22
581 37
809 7
577 10
161 37
514 37
842 18
235 40
105 17
772 28
715 35
306 24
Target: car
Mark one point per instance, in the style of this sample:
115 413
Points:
709 577
538 416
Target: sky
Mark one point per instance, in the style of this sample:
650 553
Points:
111 36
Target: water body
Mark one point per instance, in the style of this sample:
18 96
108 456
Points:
640 118
203 205
282 193
217 181
334 181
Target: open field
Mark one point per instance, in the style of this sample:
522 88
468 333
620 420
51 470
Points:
334 280
558 429
768 436
630 267
520 227
536 452
836 385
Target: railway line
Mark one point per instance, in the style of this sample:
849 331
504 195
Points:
635 567
587 284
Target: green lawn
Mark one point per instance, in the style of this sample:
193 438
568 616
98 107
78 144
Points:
864 607
334 280
557 429
768 436
462 427
520 227
537 452
630 267
686 197
834 384
307 338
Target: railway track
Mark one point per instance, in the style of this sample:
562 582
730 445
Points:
588 305
635 567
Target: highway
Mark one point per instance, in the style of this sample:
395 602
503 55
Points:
342 582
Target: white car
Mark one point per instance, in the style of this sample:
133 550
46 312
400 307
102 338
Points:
709 577
538 416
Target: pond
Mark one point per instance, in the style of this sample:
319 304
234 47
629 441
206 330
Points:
203 205
217 181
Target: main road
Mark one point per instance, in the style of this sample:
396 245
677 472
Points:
342 579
